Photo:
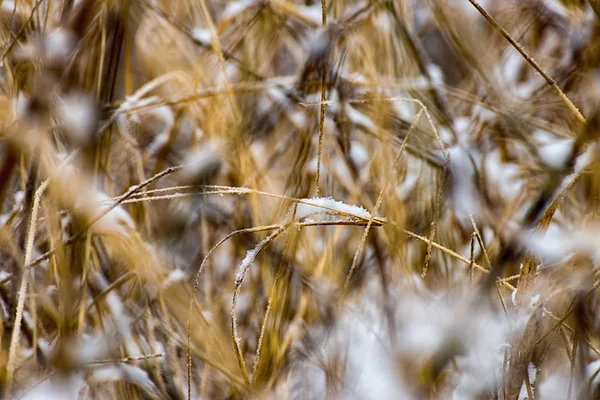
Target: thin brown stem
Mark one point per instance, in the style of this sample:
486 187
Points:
529 60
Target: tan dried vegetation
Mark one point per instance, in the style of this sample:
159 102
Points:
280 199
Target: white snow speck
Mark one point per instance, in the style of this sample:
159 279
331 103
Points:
124 372
383 21
312 13
320 205
122 322
176 275
358 118
358 153
555 386
202 35
278 95
78 115
531 372
202 162
464 192
436 74
298 118
56 388
504 175
512 66
485 114
4 275
556 154
116 220
59 45
249 259
591 370
235 7
550 246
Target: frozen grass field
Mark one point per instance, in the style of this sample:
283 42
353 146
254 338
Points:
286 199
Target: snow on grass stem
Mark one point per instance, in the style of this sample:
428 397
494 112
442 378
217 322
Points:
317 205
118 201
195 289
243 269
16 332
280 270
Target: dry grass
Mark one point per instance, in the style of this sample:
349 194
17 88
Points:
304 200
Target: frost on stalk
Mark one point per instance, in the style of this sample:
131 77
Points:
249 259
531 375
327 205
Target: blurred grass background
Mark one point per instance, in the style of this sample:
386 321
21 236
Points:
299 199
